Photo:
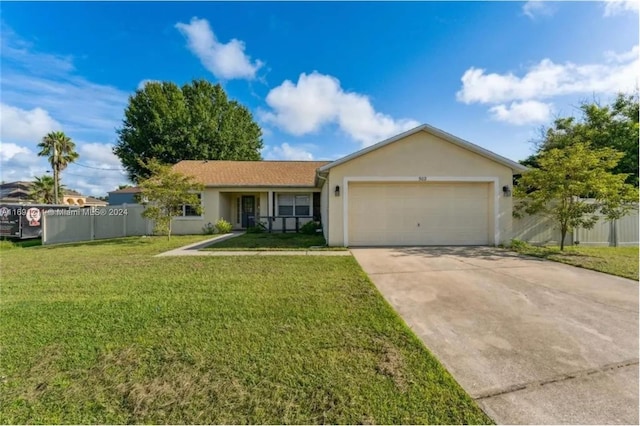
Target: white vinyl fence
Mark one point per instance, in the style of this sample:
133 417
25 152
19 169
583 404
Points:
541 230
87 224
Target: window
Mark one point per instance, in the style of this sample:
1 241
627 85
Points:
302 206
294 205
285 205
190 210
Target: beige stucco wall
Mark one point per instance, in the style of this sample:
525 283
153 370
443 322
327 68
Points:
263 204
324 210
226 202
420 154
194 225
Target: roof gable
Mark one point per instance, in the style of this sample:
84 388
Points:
251 173
516 167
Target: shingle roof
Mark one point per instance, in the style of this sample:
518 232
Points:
95 200
251 173
14 193
20 189
130 190
16 184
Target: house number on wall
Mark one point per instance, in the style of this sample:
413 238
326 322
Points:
422 178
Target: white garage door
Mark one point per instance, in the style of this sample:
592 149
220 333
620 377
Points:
420 213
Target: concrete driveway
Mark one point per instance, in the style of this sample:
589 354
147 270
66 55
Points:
532 341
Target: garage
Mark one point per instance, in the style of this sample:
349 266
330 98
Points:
419 213
423 187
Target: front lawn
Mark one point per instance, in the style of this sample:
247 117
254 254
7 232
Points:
105 333
273 241
621 261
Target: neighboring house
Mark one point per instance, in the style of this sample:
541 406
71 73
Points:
18 192
94 202
123 196
15 192
422 187
74 198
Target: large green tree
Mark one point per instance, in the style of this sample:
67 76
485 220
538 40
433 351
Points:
61 151
165 193
42 190
567 175
613 126
195 122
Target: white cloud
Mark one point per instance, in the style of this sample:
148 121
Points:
634 53
548 79
287 152
19 162
96 172
89 186
95 158
317 99
9 150
226 61
36 87
519 113
19 124
99 155
536 8
33 79
304 107
617 7
83 107
358 118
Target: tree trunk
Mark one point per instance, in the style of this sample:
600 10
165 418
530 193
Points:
563 233
169 230
55 184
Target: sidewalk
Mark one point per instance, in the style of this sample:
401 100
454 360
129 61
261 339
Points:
195 250
263 253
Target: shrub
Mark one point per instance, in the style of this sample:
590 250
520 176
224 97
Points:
209 229
518 244
223 226
257 229
7 245
310 228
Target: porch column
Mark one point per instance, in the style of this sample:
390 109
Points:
270 204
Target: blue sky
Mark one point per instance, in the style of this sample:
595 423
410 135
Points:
322 79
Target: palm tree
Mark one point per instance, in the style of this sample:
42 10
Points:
43 190
61 151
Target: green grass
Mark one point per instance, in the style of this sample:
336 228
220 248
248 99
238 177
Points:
621 261
106 333
273 241
12 244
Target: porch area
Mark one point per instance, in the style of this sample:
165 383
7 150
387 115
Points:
274 210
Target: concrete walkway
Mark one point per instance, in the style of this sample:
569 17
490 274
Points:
195 249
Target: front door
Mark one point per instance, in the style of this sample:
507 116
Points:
248 211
